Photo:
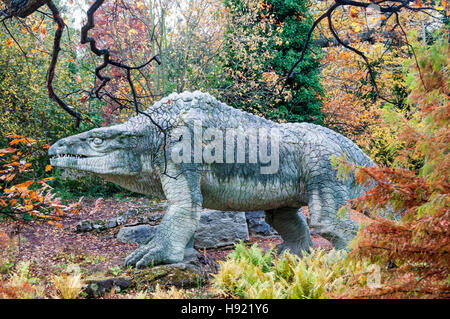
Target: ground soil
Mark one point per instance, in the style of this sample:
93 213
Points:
49 247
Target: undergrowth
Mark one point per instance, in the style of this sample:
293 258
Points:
250 273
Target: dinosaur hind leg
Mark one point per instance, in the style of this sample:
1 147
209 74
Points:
324 201
292 227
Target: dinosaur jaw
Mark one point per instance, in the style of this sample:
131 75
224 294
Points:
105 164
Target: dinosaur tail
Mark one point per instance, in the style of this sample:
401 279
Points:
357 157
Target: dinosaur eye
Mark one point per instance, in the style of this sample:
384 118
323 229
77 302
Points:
97 141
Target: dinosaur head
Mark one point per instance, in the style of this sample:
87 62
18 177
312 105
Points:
107 151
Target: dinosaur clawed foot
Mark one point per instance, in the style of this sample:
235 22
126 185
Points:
153 254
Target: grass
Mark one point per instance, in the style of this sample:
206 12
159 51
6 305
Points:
21 285
69 286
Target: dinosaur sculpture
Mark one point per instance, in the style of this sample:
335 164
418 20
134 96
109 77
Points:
177 150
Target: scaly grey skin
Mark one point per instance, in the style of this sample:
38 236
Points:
132 155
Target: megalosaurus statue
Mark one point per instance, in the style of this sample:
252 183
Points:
197 152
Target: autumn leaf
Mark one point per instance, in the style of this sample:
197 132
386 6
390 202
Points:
48 167
24 185
45 179
8 150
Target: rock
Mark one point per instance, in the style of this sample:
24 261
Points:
151 208
136 234
155 218
218 228
257 226
111 223
193 271
84 226
122 219
131 212
99 225
96 288
178 275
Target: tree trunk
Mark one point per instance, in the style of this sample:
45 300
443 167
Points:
22 8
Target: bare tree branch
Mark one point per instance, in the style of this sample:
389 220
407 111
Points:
388 7
51 70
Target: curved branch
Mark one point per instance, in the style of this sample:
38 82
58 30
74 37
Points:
85 38
305 45
51 70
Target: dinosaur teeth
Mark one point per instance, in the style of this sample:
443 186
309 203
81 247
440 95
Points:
69 156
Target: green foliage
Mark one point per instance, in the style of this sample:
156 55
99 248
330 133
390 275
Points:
68 188
251 273
305 85
253 255
264 40
26 108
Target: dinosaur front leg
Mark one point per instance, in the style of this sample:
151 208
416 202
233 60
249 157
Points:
177 228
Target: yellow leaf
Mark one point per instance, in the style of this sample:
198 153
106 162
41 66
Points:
46 179
48 167
353 12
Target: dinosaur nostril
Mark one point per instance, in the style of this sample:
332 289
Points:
54 148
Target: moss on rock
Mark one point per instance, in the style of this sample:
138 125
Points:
178 275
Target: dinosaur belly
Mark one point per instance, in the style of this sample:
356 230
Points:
244 194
